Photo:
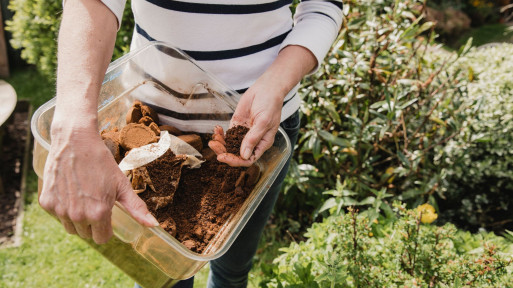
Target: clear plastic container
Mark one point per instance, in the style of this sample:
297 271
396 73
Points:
165 78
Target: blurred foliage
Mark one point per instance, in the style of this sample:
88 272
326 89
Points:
490 33
374 112
480 11
478 180
483 11
450 23
35 26
398 251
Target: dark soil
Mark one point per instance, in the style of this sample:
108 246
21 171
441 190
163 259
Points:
190 204
234 138
203 201
13 134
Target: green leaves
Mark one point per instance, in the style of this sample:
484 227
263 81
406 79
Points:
351 250
35 25
382 100
334 140
478 183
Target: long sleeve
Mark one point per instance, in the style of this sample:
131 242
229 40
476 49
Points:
117 7
316 25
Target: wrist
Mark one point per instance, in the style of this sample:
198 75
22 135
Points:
70 124
291 65
76 109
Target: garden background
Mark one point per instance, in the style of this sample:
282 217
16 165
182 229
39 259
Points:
403 174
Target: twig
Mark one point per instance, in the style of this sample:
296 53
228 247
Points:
290 235
431 110
405 136
384 160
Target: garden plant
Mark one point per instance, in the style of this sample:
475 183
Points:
402 251
403 144
375 112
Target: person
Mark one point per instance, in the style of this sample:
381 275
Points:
254 46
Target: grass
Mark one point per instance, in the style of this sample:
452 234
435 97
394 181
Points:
486 34
49 257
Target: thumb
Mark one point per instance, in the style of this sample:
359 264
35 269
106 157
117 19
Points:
260 127
134 205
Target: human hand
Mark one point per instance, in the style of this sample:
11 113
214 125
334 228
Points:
81 183
259 109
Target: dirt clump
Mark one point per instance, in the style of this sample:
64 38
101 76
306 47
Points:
171 129
204 199
194 140
111 140
234 138
190 204
136 135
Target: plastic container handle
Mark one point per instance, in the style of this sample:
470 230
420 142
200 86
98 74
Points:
124 226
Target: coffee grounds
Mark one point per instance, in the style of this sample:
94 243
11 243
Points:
165 175
192 204
136 135
206 197
203 200
234 138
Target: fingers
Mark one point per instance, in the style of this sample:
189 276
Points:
217 147
135 205
217 144
219 138
265 143
68 225
252 138
102 231
218 130
235 161
83 230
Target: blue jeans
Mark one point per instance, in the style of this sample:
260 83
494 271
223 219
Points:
231 270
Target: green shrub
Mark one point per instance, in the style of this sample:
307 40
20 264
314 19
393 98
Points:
373 114
350 251
478 182
35 26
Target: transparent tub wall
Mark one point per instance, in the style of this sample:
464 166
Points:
163 77
132 263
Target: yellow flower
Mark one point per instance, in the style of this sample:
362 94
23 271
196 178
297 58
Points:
428 213
390 171
350 150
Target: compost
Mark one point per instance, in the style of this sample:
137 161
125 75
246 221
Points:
190 204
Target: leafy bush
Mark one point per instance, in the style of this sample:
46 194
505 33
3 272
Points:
478 182
483 11
350 251
450 22
373 114
35 27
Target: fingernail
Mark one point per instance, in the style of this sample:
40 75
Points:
247 154
151 219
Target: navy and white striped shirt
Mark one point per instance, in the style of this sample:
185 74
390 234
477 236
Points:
236 40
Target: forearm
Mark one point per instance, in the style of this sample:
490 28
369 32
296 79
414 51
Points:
316 25
291 65
85 45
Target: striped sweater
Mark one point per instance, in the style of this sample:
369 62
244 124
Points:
236 40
